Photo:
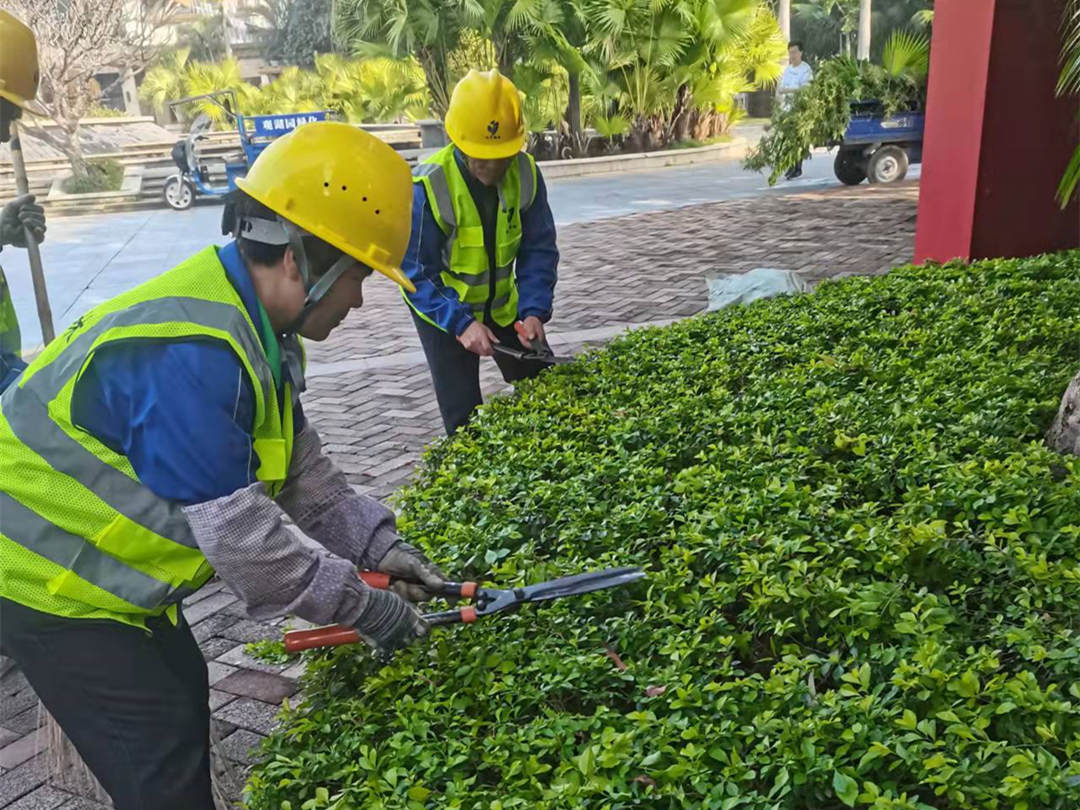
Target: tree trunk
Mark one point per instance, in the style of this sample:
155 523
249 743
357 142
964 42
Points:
864 30
784 16
435 73
225 32
681 117
67 142
1064 434
573 116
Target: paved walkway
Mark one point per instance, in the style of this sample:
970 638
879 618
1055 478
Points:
370 396
89 259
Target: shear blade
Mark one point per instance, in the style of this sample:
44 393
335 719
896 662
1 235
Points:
580 583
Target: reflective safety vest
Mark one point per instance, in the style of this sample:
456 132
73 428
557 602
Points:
466 266
80 535
10 339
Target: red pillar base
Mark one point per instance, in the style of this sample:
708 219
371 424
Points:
997 138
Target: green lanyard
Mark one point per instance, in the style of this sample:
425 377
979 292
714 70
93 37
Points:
270 343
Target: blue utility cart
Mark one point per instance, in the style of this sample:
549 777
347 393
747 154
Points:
878 148
256 133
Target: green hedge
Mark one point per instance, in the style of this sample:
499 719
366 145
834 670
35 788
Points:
105 174
863 588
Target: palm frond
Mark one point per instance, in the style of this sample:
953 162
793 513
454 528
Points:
907 54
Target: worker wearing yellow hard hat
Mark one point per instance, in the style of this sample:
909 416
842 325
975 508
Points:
482 254
161 439
21 218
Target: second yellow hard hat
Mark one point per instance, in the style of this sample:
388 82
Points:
484 119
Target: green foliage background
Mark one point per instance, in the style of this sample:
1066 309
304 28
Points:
864 572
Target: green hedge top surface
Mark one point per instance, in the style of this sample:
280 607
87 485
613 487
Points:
863 587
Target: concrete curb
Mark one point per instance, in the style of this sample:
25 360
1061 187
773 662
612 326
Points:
640 161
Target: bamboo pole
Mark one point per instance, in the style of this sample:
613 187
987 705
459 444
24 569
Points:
41 293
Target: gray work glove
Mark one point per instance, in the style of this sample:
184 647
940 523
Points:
408 563
16 216
388 622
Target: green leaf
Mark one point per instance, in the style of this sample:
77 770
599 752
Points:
846 788
418 793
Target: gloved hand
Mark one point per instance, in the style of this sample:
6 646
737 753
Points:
407 562
16 216
388 622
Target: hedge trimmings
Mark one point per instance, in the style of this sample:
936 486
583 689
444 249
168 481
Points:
864 583
821 112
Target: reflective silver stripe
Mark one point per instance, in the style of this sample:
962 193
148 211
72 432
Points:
474 279
484 278
33 532
29 420
496 304
436 177
25 407
528 184
212 314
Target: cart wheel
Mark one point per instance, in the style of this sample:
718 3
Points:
849 167
179 193
889 164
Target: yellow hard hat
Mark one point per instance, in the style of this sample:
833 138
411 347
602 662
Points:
342 185
484 119
18 61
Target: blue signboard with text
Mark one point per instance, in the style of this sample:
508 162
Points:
273 125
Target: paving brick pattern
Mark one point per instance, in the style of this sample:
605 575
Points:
370 396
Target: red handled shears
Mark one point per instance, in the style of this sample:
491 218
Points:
487 601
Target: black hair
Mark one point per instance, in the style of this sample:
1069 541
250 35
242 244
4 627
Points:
321 255
795 44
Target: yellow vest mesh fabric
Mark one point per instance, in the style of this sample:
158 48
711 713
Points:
44 507
467 270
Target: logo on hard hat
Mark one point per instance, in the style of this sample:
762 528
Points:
493 130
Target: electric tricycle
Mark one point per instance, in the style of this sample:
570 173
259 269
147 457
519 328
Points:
256 133
878 148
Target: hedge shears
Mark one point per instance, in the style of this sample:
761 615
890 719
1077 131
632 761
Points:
488 601
536 350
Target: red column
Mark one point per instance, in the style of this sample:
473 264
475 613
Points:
997 138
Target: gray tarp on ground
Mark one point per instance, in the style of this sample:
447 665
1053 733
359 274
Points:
742 288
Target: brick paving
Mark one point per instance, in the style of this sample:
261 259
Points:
370 396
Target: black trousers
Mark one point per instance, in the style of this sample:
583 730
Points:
135 704
455 371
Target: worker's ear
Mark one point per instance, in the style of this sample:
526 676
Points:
292 269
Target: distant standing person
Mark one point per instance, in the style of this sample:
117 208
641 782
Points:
796 76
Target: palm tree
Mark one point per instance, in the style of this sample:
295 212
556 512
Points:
783 15
428 30
557 32
674 59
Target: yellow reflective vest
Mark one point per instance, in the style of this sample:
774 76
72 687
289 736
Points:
466 265
80 535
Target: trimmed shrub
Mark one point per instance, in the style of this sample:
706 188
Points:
101 175
863 591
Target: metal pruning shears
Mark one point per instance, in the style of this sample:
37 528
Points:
538 351
487 602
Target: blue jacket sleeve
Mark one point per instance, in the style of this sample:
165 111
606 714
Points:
182 413
538 257
423 264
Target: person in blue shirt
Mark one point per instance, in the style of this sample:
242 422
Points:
161 438
482 253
